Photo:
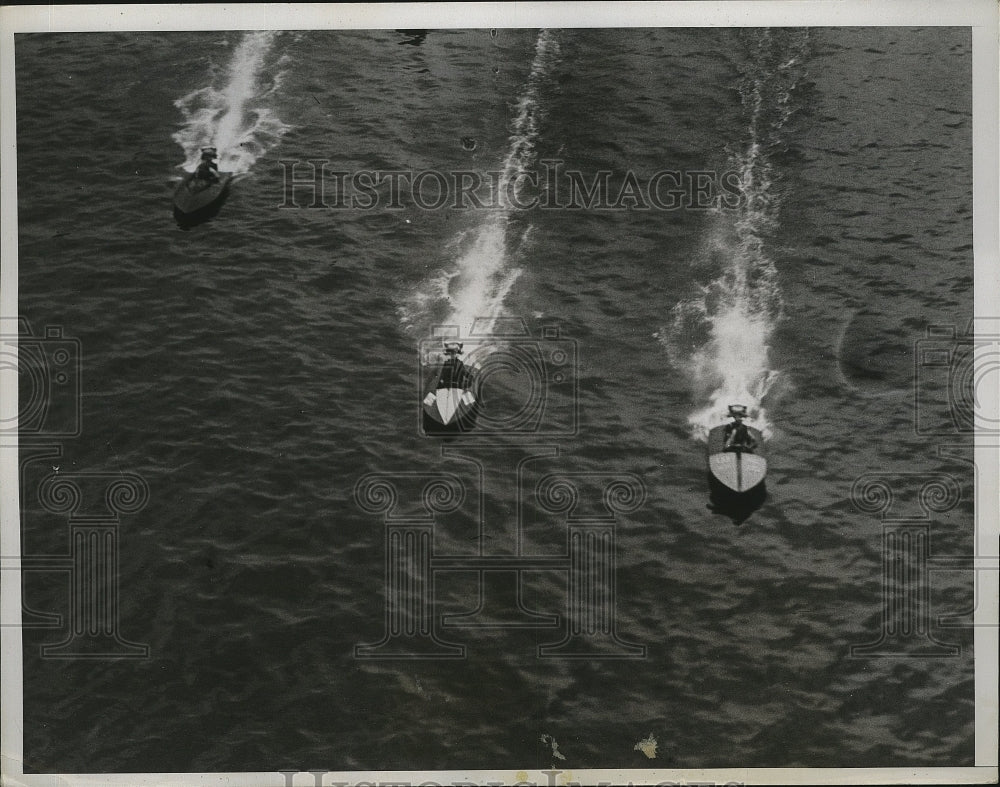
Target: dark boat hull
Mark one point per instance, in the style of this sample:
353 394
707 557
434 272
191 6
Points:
452 402
449 411
196 200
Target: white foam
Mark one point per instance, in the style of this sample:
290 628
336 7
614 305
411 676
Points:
234 117
485 268
731 364
720 337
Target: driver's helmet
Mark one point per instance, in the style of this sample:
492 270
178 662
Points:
452 348
207 154
738 411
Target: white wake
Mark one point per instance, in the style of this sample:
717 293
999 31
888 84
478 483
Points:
720 336
235 115
471 292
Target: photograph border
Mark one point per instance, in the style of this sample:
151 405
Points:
979 15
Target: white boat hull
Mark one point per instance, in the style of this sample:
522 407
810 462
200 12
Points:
738 471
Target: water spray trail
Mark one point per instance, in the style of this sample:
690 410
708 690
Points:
235 118
473 291
720 337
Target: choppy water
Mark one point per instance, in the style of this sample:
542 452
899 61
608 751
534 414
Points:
253 369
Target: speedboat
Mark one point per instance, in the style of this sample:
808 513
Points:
738 470
451 405
197 200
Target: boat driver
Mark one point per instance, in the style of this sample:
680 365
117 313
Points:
737 435
453 371
452 362
208 169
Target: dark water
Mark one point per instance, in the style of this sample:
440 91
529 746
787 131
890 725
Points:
253 369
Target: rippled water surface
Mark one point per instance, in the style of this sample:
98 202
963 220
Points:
253 368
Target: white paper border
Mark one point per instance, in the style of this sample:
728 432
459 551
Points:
980 15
